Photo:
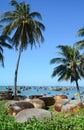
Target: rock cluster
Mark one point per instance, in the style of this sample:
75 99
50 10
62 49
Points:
5 95
64 105
28 108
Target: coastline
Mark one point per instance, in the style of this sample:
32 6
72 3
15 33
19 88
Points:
45 90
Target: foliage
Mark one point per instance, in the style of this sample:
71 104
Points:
69 65
59 121
25 29
80 44
5 41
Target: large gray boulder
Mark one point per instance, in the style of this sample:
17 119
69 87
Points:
26 114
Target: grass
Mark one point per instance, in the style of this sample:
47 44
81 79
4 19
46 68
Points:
59 121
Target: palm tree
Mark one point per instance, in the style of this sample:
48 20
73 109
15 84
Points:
70 65
4 42
80 44
25 29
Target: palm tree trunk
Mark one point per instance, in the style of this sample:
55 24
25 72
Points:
16 71
78 90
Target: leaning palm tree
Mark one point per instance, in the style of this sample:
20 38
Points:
70 65
4 42
25 28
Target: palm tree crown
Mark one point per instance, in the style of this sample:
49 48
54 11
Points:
70 64
27 29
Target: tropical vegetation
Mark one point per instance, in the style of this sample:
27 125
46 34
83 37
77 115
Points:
5 41
24 27
80 44
59 121
69 65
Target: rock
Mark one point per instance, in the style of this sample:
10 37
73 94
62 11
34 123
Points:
19 97
38 103
48 100
58 89
57 107
59 97
19 106
58 104
66 105
78 107
9 103
35 96
71 106
23 116
59 101
5 95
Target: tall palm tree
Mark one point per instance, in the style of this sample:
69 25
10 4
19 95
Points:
4 42
25 28
70 65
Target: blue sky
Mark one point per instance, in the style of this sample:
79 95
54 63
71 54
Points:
62 19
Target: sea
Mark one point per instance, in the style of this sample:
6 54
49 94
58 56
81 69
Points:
70 92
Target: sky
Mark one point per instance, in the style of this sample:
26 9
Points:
62 20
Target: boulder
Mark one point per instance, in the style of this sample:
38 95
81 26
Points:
67 105
59 97
58 104
72 106
48 100
5 95
19 106
26 114
38 103
35 96
9 103
19 97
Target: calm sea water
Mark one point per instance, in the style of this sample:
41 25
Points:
46 90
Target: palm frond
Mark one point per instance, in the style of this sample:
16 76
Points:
2 59
80 32
80 44
14 3
69 65
35 15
